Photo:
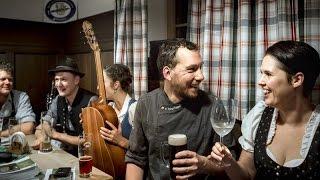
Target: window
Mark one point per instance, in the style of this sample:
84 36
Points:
177 18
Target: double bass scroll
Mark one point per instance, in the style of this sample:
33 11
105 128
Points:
107 157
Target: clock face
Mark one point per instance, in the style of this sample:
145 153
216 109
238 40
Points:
60 10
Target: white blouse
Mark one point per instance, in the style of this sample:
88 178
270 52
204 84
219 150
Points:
124 109
250 125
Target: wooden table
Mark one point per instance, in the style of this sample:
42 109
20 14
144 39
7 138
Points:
59 158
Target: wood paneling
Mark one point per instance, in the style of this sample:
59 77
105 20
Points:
30 37
35 47
3 56
87 65
76 42
31 76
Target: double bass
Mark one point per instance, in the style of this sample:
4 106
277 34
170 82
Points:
107 156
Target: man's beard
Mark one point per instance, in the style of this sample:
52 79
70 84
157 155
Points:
182 91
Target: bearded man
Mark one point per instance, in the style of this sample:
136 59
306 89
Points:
177 107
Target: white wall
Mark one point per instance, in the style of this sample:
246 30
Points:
32 10
92 7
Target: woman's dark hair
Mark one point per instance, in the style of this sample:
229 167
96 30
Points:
121 73
6 66
294 57
168 50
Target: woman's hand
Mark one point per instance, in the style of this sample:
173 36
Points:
114 135
221 154
80 117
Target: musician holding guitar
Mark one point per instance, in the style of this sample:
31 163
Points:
66 107
108 156
117 79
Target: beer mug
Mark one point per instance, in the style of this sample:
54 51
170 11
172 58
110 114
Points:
46 131
85 155
1 123
168 150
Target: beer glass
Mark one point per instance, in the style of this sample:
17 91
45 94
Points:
164 153
14 126
85 155
176 143
46 131
1 123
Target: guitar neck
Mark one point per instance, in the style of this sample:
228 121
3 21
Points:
102 90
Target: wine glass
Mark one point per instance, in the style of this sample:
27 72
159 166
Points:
164 153
222 117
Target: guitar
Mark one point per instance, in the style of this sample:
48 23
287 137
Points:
107 157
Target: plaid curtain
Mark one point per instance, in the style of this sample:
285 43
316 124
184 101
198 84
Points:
233 37
131 40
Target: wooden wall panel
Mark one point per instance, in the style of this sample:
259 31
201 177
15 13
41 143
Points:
35 47
3 56
76 42
31 37
87 65
31 76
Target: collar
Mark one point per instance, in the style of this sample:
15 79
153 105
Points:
125 106
76 99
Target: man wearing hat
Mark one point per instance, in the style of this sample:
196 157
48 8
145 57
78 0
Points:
66 107
13 104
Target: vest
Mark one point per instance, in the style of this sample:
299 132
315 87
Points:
13 114
125 125
268 169
81 101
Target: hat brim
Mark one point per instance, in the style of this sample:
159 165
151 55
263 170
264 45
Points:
65 69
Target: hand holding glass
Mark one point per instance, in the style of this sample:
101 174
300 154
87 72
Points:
222 118
175 144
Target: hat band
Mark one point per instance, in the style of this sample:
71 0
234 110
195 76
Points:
66 67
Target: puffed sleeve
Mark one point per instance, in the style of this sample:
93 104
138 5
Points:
132 110
250 125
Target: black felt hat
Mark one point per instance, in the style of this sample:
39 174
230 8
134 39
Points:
69 65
